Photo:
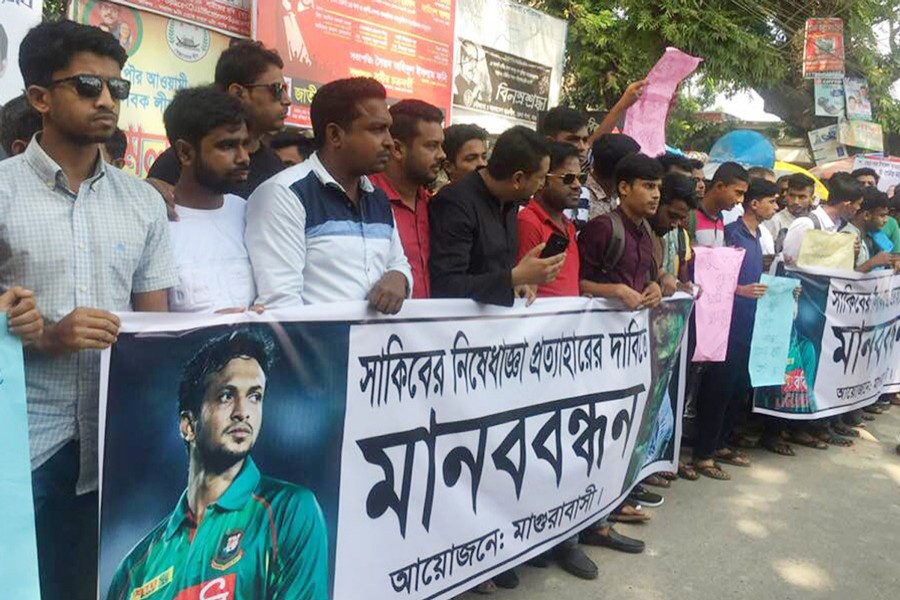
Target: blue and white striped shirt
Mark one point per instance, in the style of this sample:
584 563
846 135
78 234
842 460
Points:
309 244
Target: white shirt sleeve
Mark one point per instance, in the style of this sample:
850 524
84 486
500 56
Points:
794 238
397 260
276 243
766 242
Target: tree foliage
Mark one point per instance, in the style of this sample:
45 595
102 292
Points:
754 44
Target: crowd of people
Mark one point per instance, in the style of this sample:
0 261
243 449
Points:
239 215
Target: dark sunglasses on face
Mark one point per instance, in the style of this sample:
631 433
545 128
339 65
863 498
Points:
278 90
91 86
570 178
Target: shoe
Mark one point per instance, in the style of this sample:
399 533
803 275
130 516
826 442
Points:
541 561
574 561
508 580
613 540
646 497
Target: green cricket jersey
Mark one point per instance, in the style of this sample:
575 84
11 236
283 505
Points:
264 539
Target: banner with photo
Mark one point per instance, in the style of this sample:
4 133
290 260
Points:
16 18
845 345
164 56
230 17
461 439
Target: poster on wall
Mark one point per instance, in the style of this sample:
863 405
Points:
825 145
829 97
887 167
505 70
823 49
407 46
498 83
231 17
859 104
164 56
861 134
16 18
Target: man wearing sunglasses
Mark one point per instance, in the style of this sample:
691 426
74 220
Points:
90 241
254 74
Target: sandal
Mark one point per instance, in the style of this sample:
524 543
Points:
895 400
777 446
485 588
686 471
835 440
845 430
713 472
657 481
808 441
873 409
668 475
867 417
746 442
629 513
732 457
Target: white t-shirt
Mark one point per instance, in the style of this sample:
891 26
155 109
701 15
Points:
213 266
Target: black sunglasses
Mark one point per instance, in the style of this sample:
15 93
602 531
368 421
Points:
570 178
278 90
91 86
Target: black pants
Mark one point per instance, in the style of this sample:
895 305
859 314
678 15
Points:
723 390
66 528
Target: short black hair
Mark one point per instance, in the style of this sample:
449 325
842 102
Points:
243 62
517 149
195 112
336 102
874 199
212 358
561 152
406 116
843 187
49 48
760 188
730 173
608 150
670 160
117 145
456 136
696 164
678 187
18 121
562 118
799 181
760 172
866 171
638 166
286 139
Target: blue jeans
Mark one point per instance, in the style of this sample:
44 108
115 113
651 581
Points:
66 528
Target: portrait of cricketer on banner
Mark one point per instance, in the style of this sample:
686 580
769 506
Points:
234 532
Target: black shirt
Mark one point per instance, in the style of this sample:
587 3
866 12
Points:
264 163
474 242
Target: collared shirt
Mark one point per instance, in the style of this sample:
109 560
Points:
765 237
535 228
414 231
778 227
264 163
310 244
263 538
794 238
737 235
580 216
706 229
598 202
91 249
474 243
636 266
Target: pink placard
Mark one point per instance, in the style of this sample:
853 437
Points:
716 271
646 120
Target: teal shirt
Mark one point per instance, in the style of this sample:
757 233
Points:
264 539
892 230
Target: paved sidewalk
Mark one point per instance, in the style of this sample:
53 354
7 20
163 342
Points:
820 525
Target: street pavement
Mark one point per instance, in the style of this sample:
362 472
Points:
821 525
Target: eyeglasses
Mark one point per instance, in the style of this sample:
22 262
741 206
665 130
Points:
278 90
570 178
91 86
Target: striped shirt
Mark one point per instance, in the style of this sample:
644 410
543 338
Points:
91 249
309 244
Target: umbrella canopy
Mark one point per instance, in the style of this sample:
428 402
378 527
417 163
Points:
745 147
783 168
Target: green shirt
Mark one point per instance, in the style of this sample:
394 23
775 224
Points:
892 230
264 539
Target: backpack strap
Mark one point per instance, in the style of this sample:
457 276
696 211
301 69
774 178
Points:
817 222
616 247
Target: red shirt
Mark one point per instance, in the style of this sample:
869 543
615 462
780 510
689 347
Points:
414 233
535 228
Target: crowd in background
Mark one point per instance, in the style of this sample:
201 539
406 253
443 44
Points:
240 215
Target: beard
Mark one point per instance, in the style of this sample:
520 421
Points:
213 181
217 458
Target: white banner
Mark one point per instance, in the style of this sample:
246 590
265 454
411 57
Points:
16 18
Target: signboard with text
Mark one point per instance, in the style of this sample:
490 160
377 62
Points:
231 17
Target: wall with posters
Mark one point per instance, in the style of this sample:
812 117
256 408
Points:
231 17
16 18
493 86
407 45
165 55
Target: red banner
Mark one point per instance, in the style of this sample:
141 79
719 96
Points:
823 51
231 17
407 45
